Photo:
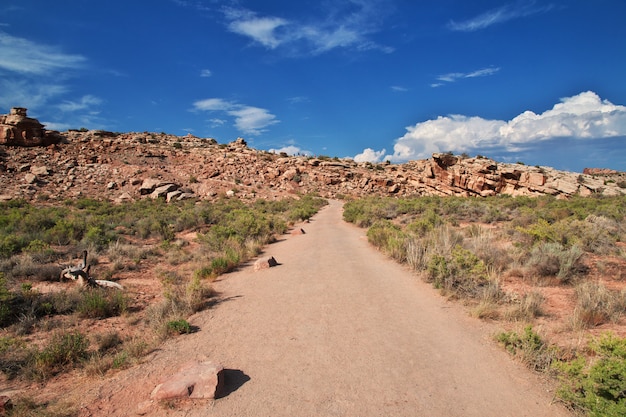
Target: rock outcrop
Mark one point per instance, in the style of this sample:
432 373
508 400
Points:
130 166
17 129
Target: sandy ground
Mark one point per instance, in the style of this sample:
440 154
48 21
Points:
336 329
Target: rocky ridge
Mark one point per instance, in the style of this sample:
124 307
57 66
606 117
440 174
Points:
130 166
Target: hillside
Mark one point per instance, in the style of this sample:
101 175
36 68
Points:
127 166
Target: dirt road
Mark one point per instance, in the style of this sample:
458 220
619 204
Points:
337 330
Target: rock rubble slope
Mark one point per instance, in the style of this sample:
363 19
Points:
130 166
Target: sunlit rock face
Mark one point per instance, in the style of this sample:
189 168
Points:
17 129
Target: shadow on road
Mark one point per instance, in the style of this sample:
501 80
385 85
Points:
233 379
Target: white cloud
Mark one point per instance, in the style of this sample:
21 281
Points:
349 24
291 150
499 15
22 56
584 116
84 103
206 73
399 89
252 120
261 30
454 76
370 155
23 93
213 104
248 119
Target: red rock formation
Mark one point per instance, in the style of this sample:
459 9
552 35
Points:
17 129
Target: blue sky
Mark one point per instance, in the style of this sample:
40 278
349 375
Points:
541 82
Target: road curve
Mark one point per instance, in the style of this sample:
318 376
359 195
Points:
337 329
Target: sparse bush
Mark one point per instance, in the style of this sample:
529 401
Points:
99 303
528 307
552 259
529 347
596 304
64 351
597 386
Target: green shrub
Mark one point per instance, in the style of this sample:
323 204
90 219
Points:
529 347
178 326
99 303
596 386
460 272
64 351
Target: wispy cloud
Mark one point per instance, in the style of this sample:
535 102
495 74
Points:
455 76
348 24
85 102
249 120
205 73
34 75
584 117
19 55
499 15
399 89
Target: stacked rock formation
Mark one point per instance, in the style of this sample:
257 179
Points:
17 129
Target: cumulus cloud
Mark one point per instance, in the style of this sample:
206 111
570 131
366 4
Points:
370 155
499 15
584 116
349 24
291 150
248 119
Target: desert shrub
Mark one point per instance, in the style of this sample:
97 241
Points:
553 259
99 303
461 272
108 341
62 352
527 308
596 304
389 238
181 299
529 347
596 385
6 298
180 326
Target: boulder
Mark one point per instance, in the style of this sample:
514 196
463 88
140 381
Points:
148 185
163 190
265 263
197 380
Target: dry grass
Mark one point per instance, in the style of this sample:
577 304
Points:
596 305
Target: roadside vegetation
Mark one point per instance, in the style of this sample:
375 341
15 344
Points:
472 250
49 325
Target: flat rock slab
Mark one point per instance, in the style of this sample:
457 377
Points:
198 380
